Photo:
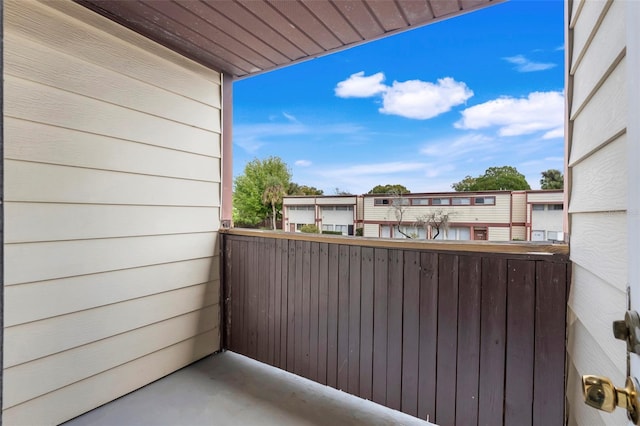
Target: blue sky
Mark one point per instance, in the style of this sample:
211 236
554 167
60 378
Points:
423 108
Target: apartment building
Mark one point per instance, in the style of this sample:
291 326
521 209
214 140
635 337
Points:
489 215
338 213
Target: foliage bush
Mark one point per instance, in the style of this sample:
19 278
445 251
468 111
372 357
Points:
332 232
359 232
309 229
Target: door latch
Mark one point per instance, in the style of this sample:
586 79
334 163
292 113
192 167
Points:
599 392
629 331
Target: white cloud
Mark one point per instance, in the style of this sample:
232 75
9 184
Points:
523 64
540 111
290 117
360 178
374 169
411 99
252 137
359 86
461 147
422 100
303 163
561 47
555 133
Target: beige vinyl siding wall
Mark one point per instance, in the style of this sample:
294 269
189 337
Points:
371 230
336 201
498 234
519 233
519 207
597 201
545 197
112 194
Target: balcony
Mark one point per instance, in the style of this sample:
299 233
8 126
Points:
456 332
450 332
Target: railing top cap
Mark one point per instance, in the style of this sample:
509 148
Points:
503 247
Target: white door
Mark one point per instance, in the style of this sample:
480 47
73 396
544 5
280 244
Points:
633 157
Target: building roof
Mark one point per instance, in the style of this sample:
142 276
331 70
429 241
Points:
247 37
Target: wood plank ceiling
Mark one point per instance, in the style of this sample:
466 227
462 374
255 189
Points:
245 37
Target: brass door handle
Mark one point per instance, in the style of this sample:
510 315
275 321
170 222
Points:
599 392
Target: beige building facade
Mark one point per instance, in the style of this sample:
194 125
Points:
491 215
330 213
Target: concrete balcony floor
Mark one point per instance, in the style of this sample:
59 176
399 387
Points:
230 389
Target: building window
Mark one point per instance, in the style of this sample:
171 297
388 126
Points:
484 201
418 232
419 201
385 231
554 207
381 202
300 208
342 228
538 207
327 208
344 208
464 201
555 236
401 201
440 201
327 227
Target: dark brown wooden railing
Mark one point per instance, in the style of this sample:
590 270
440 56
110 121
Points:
466 334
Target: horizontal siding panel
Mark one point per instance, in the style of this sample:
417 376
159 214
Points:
585 25
545 197
37 182
599 244
603 51
91 37
79 257
69 73
32 302
371 230
588 291
519 208
576 6
588 358
29 141
600 181
44 104
603 117
330 201
30 380
71 401
28 342
31 222
498 234
519 233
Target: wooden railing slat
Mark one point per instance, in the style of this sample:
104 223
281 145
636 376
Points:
453 336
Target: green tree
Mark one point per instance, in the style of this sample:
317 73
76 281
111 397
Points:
249 189
505 178
338 191
295 189
272 196
552 179
389 189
